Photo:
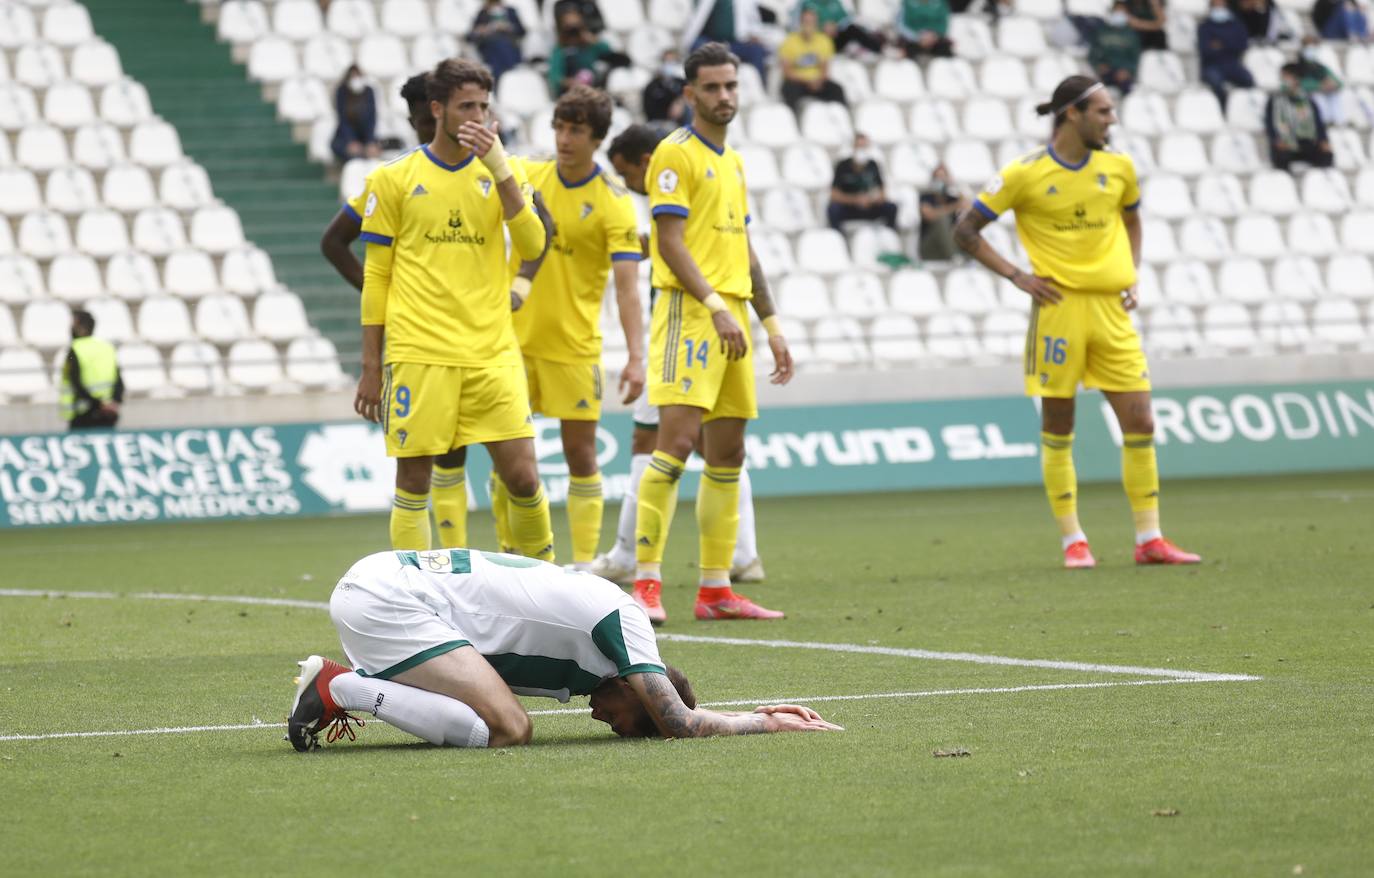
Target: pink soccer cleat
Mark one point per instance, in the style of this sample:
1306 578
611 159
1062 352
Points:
1161 551
734 607
646 594
1078 556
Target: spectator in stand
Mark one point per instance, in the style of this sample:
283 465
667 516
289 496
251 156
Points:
356 105
579 56
941 205
737 23
921 27
590 12
1221 43
1295 128
837 21
1263 21
497 32
1319 82
857 190
1114 50
805 57
1148 19
1341 20
662 100
92 388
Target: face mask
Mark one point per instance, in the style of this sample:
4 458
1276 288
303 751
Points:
863 156
1118 19
1309 54
1219 14
356 84
673 70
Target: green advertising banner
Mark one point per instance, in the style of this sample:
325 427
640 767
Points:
265 471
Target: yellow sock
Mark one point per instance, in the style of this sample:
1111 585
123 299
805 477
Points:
1061 482
500 510
1140 478
584 516
657 502
718 521
530 528
410 521
449 489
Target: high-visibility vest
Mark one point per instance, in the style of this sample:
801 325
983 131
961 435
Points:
99 369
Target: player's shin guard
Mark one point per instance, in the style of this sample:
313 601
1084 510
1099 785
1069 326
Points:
1061 482
657 502
718 521
437 718
530 527
585 505
1140 478
500 510
746 540
449 488
410 521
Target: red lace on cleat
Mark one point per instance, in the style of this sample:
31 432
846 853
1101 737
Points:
1161 551
1078 556
646 594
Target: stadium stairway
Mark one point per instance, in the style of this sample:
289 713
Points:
255 167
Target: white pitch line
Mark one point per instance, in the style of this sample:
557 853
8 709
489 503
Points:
930 655
813 699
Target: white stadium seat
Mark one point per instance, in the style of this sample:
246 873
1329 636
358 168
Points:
952 337
806 165
1189 282
74 277
68 105
164 320
951 79
140 365
102 233
1274 193
279 317
44 234
158 231
303 99
426 51
1145 113
1326 191
39 65
1161 72
254 364
111 318
314 362
1283 324
155 143
190 274
805 297
1312 234
22 373
355 19
971 291
522 91
1357 232
22 194
222 318
1158 243
1204 237
216 229
1182 153
852 76
247 271
125 103
96 63
1172 329
128 188
1243 280
987 119
272 59
969 162
787 210
827 124
242 21
297 20
1337 321
1245 110
870 242
1168 197
17 26
1003 77
71 190
97 146
46 324
1297 277
934 121
760 168
912 163
1258 236
41 148
196 366
839 342
1350 276
1236 152
772 125
9 334
1197 111
184 185
860 294
1020 37
131 275
18 107
20 279
896 338
383 55
1220 195
823 251
1227 325
326 56
971 35
915 293
898 80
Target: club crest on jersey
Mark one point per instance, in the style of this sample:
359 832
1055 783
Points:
484 183
1102 181
455 219
1079 211
686 385
401 436
586 209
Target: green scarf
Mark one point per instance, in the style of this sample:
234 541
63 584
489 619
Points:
1294 120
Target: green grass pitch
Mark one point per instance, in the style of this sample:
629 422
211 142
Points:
1254 778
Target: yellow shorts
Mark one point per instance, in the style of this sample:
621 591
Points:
1088 338
567 391
428 410
687 365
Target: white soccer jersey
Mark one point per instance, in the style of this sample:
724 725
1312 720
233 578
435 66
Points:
545 630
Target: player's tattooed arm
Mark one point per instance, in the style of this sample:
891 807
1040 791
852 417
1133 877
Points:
676 720
763 297
968 234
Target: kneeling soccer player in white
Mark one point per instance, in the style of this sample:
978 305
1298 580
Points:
443 641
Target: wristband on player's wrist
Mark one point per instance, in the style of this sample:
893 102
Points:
772 326
520 289
495 160
714 303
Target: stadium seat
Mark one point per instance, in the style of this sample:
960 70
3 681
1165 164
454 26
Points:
1236 152
22 373
455 16
773 125
1350 276
98 145
1168 197
112 317
774 252
951 79
303 99
140 365
6 239
131 275
933 122
805 297
313 361
74 277
71 190
46 324
1205 237
828 124
1004 333
839 341
254 364
383 55
1357 232
164 320
823 251
216 229
17 26
860 294
1182 153
1337 321
1003 77
1161 72
1158 243
1312 234
195 366
1048 70
95 63
247 271
128 188
969 162
852 76
296 20
20 279
760 168
915 292
1140 149
1020 37
39 65
1245 110
1326 191
1189 282
1149 290
1197 110
9 333
1297 277
522 90
356 19
1364 187
896 338
272 59
911 164
101 233
154 143
242 22
897 80
222 318
987 119
1347 149
671 14
788 210
326 56
1283 324
68 105
1219 195
43 234
1146 113
622 17
970 290
952 336
158 231
1227 325
190 274
41 148
1264 62
871 241
1274 193
1243 280
21 192
18 108
1172 329
972 37
184 185
645 45
280 317
1256 235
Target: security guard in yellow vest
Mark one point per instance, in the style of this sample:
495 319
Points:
92 387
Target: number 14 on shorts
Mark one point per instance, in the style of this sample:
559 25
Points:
696 351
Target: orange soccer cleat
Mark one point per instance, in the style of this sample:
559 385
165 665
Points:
1078 556
646 594
314 708
734 607
1161 551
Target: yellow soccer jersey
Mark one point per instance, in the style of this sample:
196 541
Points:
1068 217
355 206
693 178
447 301
596 225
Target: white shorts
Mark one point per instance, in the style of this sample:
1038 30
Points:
386 630
645 413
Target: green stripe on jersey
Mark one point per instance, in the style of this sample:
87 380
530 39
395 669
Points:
410 559
542 672
418 659
460 560
611 640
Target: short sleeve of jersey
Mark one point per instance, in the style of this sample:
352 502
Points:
1001 193
622 230
670 174
627 639
381 210
1130 198
355 206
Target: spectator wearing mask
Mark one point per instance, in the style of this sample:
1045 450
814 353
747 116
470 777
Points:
837 21
1148 20
805 57
1341 20
579 56
857 190
737 23
921 28
356 105
1295 128
1221 43
1114 50
941 204
1319 82
662 99
92 388
497 32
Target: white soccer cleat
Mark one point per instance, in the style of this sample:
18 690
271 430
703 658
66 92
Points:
606 567
751 572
